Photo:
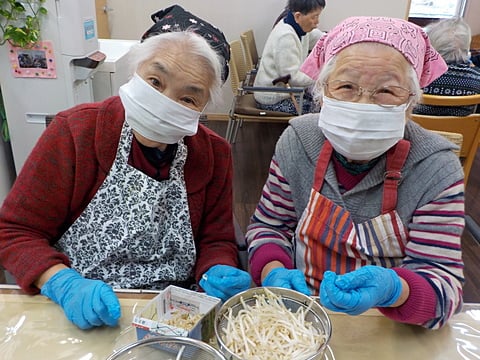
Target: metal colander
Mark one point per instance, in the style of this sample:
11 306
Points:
293 300
167 348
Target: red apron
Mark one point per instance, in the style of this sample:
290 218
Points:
327 237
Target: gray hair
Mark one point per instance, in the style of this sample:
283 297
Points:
451 38
327 70
192 44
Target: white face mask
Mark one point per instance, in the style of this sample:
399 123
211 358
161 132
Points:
361 131
154 115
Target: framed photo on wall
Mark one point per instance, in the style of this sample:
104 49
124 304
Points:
37 61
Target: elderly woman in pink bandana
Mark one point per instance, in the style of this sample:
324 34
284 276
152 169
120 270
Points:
362 206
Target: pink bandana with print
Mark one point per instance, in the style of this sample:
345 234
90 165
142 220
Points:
404 36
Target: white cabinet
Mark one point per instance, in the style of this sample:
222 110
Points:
114 71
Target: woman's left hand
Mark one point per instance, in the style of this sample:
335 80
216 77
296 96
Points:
224 281
357 291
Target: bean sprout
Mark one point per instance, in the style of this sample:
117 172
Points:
269 330
183 320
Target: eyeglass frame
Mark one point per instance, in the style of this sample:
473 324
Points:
372 93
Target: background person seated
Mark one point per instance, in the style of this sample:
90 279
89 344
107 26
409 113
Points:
285 50
451 38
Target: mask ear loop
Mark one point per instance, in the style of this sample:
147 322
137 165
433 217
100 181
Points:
203 119
202 112
409 104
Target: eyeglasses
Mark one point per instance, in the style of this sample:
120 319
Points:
384 96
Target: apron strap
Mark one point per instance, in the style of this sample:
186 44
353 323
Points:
396 158
322 164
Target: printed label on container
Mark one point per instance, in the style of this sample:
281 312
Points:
89 29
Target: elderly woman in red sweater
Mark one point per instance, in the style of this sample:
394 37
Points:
131 192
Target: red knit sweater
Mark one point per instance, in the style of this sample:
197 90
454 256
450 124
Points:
70 162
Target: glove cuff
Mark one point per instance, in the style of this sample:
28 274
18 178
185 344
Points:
60 280
396 290
270 275
265 254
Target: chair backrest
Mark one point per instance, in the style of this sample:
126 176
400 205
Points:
468 126
238 68
250 48
455 138
475 43
440 100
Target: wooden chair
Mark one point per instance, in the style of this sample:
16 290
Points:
454 138
470 144
439 100
244 106
475 43
250 48
468 126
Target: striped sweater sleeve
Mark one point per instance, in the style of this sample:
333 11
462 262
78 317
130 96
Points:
274 220
434 251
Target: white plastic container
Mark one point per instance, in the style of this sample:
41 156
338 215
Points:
152 320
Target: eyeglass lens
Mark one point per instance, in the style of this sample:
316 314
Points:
386 95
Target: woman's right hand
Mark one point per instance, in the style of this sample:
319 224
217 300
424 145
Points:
289 279
86 303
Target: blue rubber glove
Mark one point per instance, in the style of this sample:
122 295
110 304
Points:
289 279
86 303
224 281
357 291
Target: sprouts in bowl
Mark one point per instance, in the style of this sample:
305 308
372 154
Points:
272 323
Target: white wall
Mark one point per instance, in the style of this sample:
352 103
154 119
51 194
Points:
337 10
128 20
472 12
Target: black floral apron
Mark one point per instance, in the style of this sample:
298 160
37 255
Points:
136 231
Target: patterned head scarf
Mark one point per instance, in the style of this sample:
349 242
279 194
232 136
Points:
404 36
175 18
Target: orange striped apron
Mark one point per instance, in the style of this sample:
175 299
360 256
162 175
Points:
328 239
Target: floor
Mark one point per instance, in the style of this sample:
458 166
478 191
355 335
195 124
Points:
252 152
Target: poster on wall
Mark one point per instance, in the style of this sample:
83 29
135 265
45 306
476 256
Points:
37 61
